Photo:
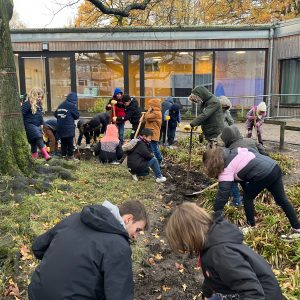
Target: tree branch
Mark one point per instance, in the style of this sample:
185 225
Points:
119 12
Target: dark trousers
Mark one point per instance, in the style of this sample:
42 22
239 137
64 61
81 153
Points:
273 183
35 144
171 135
162 137
87 138
67 147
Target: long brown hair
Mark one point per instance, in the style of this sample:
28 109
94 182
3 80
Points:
213 160
187 228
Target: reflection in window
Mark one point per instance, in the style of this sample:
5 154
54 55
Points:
290 81
168 74
203 69
239 74
98 74
134 75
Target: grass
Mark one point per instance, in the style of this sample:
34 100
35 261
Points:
93 183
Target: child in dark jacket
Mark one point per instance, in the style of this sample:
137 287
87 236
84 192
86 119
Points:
231 269
255 172
110 148
66 113
33 120
50 133
173 117
140 157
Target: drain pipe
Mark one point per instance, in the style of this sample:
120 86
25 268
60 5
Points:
270 69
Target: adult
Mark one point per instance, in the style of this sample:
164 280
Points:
210 116
132 114
32 112
66 114
87 255
117 107
165 105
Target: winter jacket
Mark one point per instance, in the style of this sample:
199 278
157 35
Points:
166 105
66 113
119 107
138 156
241 164
99 121
132 113
253 115
227 118
32 122
110 148
85 256
153 118
232 138
174 115
210 113
51 124
231 267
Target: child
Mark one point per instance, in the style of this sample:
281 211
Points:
228 121
165 105
110 148
83 132
255 172
50 133
173 121
140 157
33 119
117 107
66 113
231 269
153 119
255 118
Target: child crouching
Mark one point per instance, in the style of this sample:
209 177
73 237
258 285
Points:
140 157
109 149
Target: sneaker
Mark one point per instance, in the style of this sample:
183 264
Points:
134 177
115 163
246 229
291 237
162 164
161 179
296 230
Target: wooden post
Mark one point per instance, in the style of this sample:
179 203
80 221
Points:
282 128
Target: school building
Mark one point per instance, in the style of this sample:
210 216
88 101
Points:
248 64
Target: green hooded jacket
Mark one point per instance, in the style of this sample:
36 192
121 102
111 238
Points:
210 113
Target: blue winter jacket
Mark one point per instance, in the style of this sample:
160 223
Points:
32 122
66 113
165 105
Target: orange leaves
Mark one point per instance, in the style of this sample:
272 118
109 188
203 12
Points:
25 252
12 290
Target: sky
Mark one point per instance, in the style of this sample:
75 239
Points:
40 13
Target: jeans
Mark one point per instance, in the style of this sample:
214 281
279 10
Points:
171 135
154 165
35 144
235 193
67 147
258 132
121 128
273 183
155 149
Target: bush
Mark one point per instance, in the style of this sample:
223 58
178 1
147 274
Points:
99 106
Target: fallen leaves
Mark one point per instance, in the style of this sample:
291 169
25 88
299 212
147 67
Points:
12 290
25 252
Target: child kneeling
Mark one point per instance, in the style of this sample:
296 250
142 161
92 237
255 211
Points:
140 157
109 149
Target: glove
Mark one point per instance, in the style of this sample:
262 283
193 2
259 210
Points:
113 102
168 118
114 119
187 128
179 124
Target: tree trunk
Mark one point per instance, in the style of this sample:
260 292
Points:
14 150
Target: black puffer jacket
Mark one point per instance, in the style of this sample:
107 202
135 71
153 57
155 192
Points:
230 267
108 153
132 113
138 157
86 256
100 120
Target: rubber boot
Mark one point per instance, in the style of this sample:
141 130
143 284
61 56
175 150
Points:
35 155
45 154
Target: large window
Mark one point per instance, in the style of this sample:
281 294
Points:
98 74
240 74
290 81
168 74
203 69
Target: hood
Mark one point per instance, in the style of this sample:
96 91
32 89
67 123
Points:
130 145
174 108
223 232
170 100
104 218
230 134
72 97
117 91
202 92
155 103
261 107
225 102
111 134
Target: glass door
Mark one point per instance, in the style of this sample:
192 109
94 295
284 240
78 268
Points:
35 75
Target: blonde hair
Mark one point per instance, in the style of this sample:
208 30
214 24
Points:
213 160
33 96
187 228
